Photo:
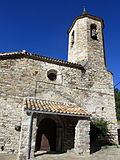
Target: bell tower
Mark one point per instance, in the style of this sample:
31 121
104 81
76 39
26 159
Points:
86 40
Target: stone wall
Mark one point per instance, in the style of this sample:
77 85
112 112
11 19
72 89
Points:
10 118
99 94
24 142
92 90
82 139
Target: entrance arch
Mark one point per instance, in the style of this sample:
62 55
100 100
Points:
46 135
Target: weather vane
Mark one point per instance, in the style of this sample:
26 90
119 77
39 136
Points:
84 11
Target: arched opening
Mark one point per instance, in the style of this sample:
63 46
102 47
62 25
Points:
46 136
93 31
72 38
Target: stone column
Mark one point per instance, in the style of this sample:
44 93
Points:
27 136
24 136
82 138
33 136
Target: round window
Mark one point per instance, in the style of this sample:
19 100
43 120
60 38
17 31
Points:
52 75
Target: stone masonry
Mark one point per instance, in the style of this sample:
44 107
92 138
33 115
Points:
83 80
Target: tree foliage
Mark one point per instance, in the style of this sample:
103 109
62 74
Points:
99 127
99 134
117 102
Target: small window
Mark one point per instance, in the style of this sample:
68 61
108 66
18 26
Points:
102 108
52 75
72 38
93 31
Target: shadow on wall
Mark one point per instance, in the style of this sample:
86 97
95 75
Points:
99 135
119 136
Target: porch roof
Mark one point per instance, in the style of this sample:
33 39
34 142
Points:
53 107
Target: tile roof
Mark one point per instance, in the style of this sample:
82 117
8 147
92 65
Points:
24 54
61 108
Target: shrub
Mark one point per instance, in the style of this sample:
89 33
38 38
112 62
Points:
101 127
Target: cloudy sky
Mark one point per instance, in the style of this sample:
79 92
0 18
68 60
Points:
40 26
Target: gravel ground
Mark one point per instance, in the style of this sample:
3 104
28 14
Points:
111 153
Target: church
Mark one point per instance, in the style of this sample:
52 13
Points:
47 104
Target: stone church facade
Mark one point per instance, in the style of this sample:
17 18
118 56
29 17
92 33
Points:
47 104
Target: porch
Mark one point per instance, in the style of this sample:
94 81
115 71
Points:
53 127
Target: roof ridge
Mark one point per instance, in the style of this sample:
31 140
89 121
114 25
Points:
40 57
34 98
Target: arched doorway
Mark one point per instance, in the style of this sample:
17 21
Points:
46 135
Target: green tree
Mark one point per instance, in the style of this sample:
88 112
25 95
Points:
117 102
99 134
99 128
